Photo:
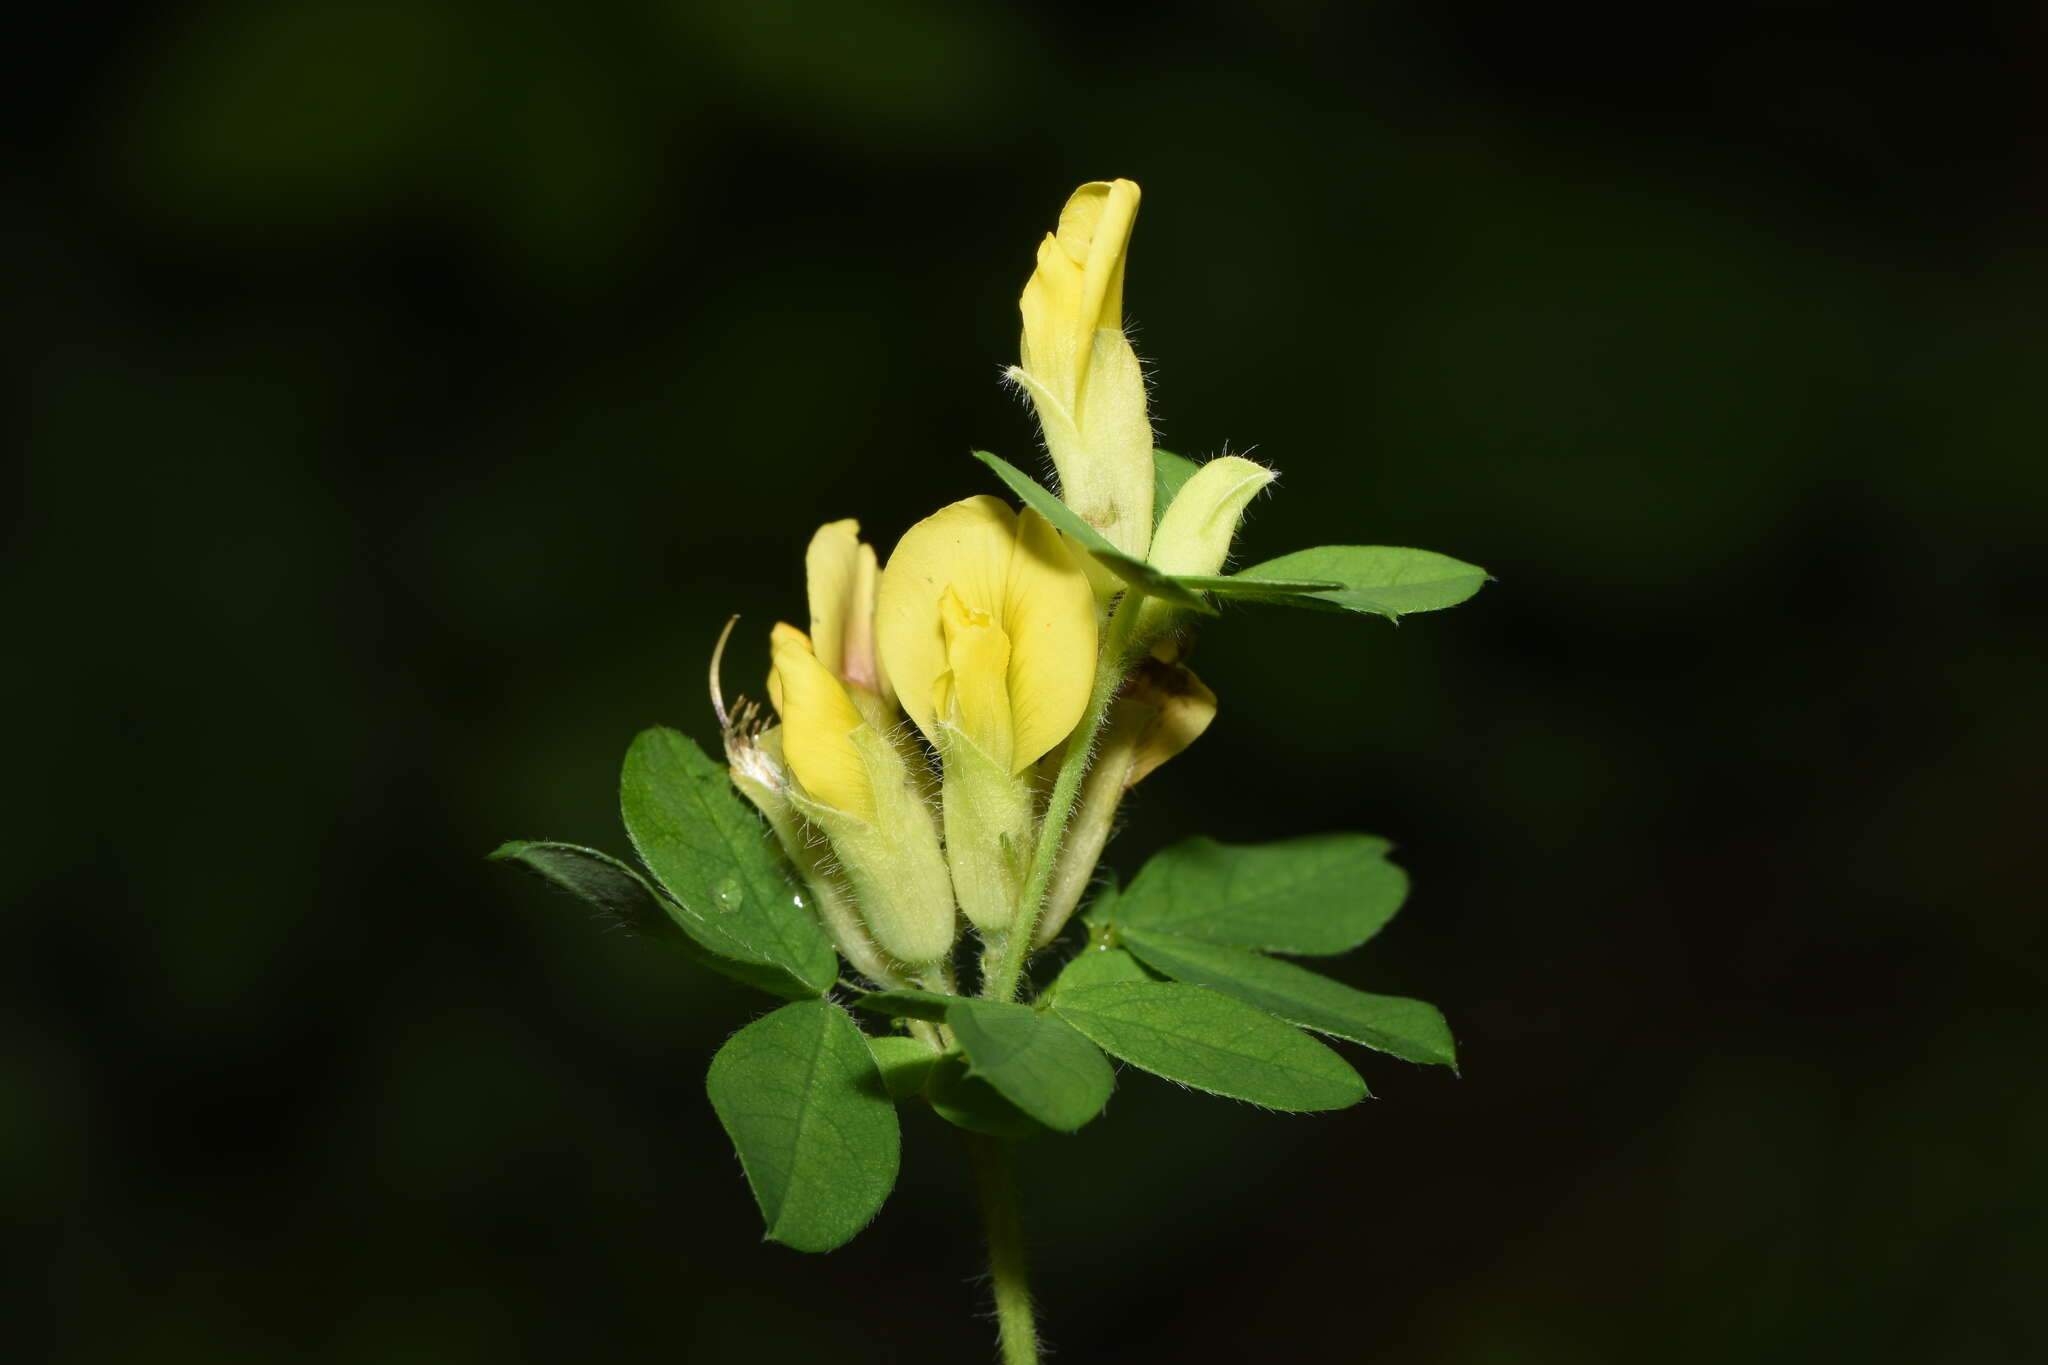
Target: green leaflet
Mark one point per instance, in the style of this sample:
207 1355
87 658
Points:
1169 472
1409 1029
623 897
968 1101
718 860
1213 1043
1381 580
907 1004
1322 894
1264 590
1140 575
1038 1062
801 1098
904 1062
1097 967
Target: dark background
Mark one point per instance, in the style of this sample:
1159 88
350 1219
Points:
411 388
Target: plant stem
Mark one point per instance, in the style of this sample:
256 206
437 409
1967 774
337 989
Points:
995 1178
1112 663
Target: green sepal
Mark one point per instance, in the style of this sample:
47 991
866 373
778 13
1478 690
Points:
1142 577
1314 896
968 1101
1379 580
904 1062
929 1006
1212 1042
1037 1061
716 859
1169 472
1413 1030
624 898
807 1110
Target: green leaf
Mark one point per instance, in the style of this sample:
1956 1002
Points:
907 1004
1038 1062
1213 1043
1102 909
1097 966
617 892
904 1063
1140 575
624 898
968 1101
713 854
1326 893
1410 1029
1169 472
1381 580
805 1107
1230 585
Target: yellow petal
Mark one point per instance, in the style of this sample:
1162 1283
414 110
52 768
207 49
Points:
831 571
840 578
1078 286
818 722
1018 571
1095 230
966 547
1048 611
974 692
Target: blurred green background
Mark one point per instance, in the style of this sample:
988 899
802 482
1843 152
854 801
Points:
412 388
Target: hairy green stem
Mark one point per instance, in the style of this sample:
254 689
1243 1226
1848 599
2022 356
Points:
996 1179
1112 663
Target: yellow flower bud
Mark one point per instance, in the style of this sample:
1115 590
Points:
818 725
851 782
1195 533
1078 367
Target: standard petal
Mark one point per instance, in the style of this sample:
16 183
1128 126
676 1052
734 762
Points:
818 722
1095 229
1048 611
966 547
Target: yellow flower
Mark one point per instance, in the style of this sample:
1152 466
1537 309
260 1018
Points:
1079 368
851 782
987 626
819 722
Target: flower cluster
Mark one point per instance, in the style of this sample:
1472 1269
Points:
958 725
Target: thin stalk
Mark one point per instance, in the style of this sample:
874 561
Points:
996 1179
1112 663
